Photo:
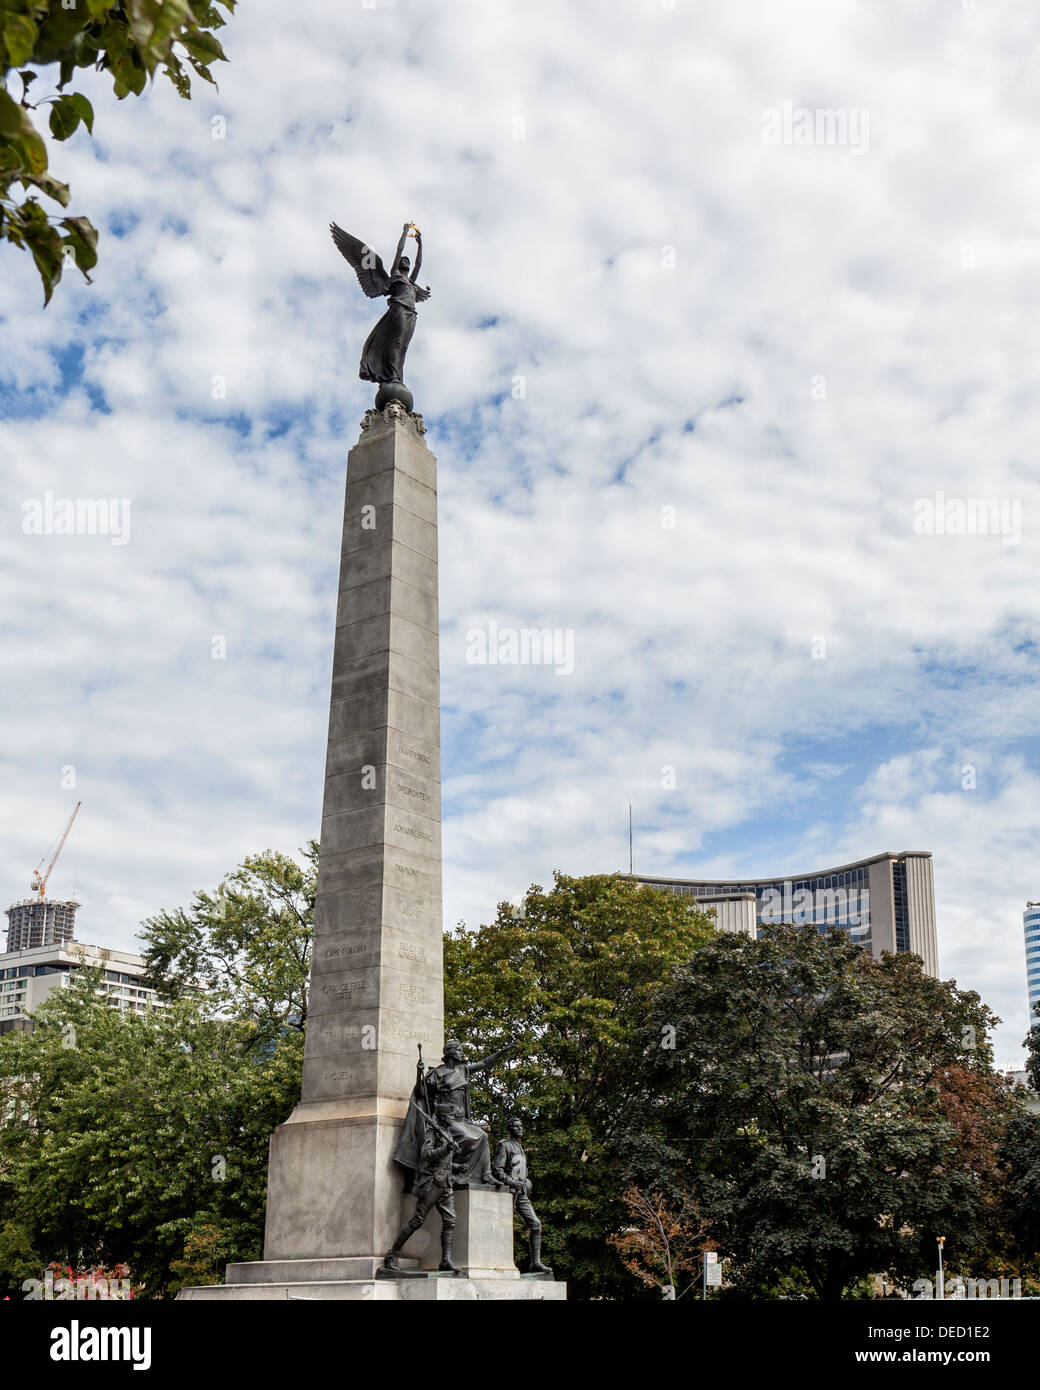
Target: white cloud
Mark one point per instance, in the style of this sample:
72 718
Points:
905 277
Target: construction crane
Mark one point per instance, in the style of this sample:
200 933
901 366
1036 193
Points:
39 885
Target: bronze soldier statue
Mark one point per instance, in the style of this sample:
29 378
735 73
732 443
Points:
433 1188
509 1168
449 1084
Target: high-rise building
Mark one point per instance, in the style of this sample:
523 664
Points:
40 922
886 903
28 976
1031 924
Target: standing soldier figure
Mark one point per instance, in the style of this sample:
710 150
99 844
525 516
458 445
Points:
433 1188
509 1168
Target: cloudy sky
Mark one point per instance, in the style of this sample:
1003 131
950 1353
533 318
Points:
695 368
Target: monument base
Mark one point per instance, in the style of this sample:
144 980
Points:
429 1289
483 1251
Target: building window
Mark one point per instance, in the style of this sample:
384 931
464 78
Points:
902 911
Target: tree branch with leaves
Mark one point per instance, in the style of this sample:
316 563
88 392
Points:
131 39
663 1243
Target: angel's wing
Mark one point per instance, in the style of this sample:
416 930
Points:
372 276
421 294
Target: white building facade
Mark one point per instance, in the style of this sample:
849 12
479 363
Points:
886 903
28 977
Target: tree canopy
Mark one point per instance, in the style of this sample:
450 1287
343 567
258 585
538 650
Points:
150 1130
131 1132
572 974
131 40
831 1112
245 949
814 1114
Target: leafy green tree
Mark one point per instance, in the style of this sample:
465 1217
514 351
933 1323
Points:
1020 1191
206 1253
1021 1153
18 1260
131 39
572 975
152 1129
244 949
146 1127
1032 1045
831 1113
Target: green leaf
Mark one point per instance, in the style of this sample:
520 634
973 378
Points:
86 111
19 38
64 117
53 187
144 16
45 244
128 77
113 41
17 127
59 32
208 16
85 230
174 70
154 25
201 71
35 151
11 115
83 240
205 48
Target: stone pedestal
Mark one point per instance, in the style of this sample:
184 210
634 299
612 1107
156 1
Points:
483 1244
437 1289
483 1252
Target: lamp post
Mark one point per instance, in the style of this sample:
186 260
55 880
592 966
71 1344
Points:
942 1241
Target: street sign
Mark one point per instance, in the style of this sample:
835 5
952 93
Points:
713 1275
711 1256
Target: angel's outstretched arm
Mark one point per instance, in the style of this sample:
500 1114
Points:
400 248
418 256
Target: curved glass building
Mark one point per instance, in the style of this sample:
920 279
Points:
887 903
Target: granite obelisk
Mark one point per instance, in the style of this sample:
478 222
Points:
376 986
334 1192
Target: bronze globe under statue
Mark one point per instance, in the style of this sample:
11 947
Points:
382 358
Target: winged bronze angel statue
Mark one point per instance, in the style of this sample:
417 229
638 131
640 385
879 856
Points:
382 358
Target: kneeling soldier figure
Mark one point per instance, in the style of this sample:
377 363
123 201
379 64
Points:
509 1168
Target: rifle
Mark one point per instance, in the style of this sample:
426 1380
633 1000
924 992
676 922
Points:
421 1075
437 1129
